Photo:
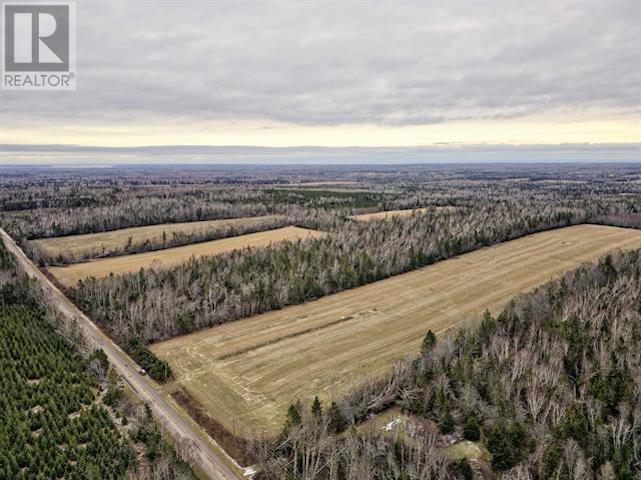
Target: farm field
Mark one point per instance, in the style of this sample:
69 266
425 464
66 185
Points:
69 275
247 372
93 243
367 217
335 183
329 189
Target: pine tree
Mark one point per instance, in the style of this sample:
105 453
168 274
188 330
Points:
317 409
428 343
293 414
292 419
336 420
463 470
446 422
505 445
471 430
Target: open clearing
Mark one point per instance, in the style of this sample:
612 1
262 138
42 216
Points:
396 423
367 217
247 372
69 275
92 244
329 183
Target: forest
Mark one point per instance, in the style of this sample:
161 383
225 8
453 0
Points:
66 205
551 387
64 415
40 203
51 426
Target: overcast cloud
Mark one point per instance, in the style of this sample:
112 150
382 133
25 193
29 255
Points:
333 63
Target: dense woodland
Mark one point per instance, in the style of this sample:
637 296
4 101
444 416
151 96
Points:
132 213
63 415
180 206
551 387
51 208
45 202
51 426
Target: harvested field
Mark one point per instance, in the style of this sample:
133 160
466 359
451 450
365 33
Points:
246 373
327 190
368 217
91 245
328 183
70 274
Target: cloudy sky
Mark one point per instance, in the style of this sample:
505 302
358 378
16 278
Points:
417 80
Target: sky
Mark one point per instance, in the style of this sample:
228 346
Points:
340 82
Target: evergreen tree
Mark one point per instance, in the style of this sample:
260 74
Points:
336 419
428 343
471 430
462 470
114 390
446 422
292 419
506 445
294 414
317 409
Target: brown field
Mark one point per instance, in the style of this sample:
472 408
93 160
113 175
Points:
69 275
247 372
92 244
328 190
329 183
367 217
562 182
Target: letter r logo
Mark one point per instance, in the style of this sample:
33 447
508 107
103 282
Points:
36 38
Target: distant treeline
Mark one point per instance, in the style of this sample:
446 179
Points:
124 207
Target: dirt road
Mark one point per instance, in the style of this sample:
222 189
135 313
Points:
209 461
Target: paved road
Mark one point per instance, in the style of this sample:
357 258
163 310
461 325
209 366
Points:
207 459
